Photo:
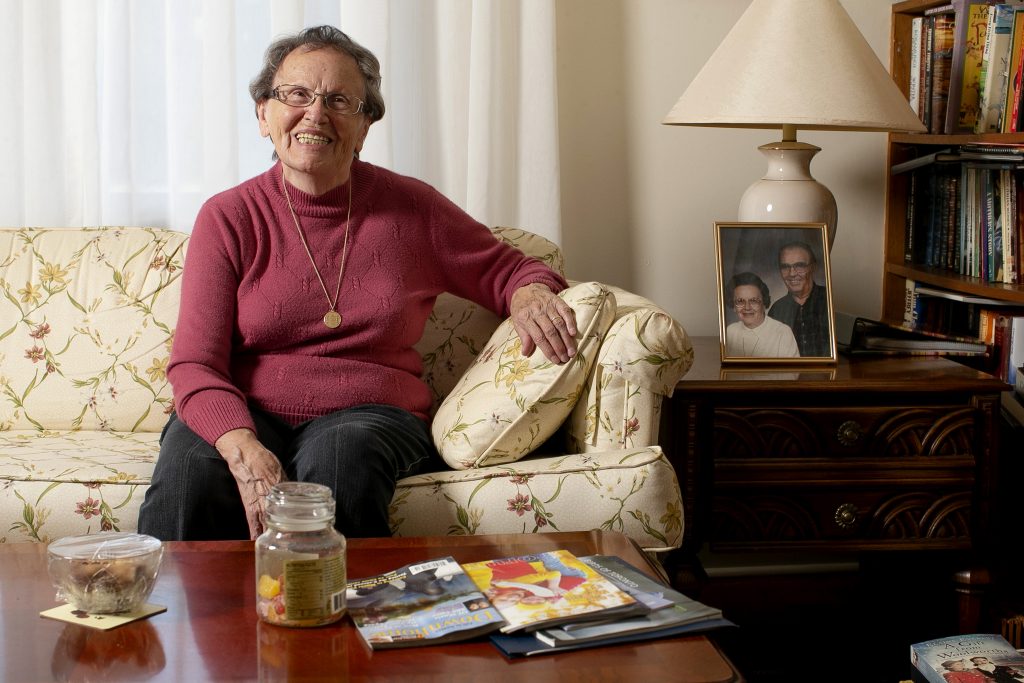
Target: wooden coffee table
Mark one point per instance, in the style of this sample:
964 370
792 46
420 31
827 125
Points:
210 631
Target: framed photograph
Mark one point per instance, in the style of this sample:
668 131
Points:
775 293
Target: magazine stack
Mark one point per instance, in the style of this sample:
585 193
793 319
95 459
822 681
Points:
527 605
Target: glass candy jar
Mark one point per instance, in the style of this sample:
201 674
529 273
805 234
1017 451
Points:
300 558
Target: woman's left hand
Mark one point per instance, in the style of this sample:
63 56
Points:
543 320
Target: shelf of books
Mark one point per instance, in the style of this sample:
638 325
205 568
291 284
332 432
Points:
955 195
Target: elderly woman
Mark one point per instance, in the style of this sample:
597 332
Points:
304 291
755 334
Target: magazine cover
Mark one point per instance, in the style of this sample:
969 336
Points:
536 591
980 657
420 604
670 608
651 593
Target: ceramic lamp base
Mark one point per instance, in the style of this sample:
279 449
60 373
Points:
788 192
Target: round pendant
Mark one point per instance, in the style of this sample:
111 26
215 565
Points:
332 319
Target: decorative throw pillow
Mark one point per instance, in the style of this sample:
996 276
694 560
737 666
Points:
507 404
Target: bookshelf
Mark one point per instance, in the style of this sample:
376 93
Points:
905 146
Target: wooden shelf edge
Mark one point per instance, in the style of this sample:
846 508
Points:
959 139
1011 294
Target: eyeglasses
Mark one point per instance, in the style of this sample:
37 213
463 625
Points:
800 267
743 303
298 96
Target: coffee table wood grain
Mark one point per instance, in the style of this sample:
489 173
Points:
210 631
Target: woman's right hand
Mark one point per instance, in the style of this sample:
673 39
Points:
255 470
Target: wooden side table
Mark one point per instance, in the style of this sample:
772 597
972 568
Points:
876 453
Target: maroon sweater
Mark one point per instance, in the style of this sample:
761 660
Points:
250 329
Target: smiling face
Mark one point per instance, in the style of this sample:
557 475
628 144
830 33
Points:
315 145
749 305
796 265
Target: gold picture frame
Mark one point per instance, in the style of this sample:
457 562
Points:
774 293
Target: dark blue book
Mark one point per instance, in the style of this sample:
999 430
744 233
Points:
527 644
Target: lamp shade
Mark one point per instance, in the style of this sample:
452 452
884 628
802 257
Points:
795 63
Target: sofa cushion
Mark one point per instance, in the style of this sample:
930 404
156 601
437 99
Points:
632 491
87 323
506 404
457 328
56 484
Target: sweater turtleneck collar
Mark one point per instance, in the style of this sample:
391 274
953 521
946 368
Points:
332 203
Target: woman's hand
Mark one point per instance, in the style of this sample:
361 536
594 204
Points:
255 470
545 321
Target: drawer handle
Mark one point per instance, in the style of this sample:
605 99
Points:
846 515
849 433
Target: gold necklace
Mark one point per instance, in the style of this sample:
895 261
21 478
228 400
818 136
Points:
331 318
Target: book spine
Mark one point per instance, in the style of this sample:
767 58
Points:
942 63
1010 227
914 94
911 303
980 120
997 57
908 235
956 69
926 64
1005 187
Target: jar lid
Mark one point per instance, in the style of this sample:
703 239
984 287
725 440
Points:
104 546
300 506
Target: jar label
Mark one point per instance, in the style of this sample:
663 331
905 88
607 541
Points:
315 588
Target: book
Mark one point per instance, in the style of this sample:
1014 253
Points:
858 335
971 17
916 72
549 589
1013 74
987 654
995 64
528 644
420 604
943 25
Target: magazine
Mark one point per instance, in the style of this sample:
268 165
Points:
651 593
528 644
986 656
420 604
669 607
549 589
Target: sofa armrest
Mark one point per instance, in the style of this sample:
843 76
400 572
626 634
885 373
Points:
641 358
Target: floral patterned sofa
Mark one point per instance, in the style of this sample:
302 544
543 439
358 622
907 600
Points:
86 322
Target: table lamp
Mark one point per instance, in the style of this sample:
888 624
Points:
793 64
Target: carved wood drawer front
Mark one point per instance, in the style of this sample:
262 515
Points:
863 477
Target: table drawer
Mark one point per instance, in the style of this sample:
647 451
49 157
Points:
860 477
755 433
877 508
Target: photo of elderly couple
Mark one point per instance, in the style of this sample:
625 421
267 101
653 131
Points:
774 292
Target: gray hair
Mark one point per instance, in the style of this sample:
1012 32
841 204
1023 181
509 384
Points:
318 38
748 278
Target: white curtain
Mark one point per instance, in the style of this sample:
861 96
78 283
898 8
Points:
133 112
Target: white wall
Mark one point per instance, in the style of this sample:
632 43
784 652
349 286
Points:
640 199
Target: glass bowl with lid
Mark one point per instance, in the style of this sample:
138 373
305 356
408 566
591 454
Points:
105 573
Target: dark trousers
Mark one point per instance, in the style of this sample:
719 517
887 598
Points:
359 453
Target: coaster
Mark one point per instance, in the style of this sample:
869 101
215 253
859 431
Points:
105 622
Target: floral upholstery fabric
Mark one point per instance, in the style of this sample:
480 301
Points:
87 319
642 357
86 322
632 491
55 484
507 404
458 329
